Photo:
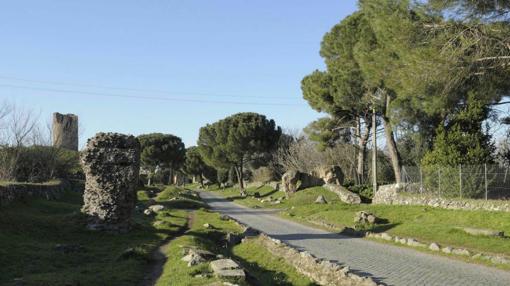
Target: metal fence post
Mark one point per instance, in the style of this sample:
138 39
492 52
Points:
460 181
486 183
439 181
421 180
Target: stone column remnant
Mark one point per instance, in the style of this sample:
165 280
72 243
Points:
65 131
111 162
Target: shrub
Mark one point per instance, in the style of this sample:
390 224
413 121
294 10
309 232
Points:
38 164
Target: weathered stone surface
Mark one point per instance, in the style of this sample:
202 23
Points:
111 163
227 269
461 251
345 195
65 131
275 185
434 246
321 200
364 217
157 208
322 272
482 232
330 174
447 250
413 242
293 181
24 191
392 195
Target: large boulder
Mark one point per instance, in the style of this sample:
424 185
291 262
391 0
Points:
344 194
111 163
330 174
227 269
293 181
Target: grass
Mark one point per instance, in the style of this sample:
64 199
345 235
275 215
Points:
29 233
263 269
250 201
426 224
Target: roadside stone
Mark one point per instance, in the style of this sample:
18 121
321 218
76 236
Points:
434 246
414 242
207 225
250 232
386 236
330 174
156 208
499 260
321 200
344 194
224 217
227 269
293 181
364 217
447 250
233 238
148 212
461 251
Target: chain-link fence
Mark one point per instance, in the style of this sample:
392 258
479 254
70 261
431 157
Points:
489 182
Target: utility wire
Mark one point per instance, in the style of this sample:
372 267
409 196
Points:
137 89
146 97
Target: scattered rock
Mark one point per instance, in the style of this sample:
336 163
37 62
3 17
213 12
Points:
330 174
345 195
447 250
482 232
461 251
233 238
499 260
434 246
386 236
293 181
197 256
364 217
321 200
224 217
414 242
227 269
156 208
207 225
148 212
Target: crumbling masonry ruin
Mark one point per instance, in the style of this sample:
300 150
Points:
65 131
111 162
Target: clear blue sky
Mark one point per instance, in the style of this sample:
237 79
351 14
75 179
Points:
255 52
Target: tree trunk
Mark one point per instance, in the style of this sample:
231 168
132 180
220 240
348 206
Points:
201 181
171 178
362 150
390 142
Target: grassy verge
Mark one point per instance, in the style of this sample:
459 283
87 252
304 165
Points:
426 224
263 269
31 232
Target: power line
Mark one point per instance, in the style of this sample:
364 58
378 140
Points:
138 89
146 97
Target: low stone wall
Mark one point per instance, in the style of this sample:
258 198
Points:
12 192
322 272
395 195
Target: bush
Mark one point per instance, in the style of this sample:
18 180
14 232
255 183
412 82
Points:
38 164
366 192
263 175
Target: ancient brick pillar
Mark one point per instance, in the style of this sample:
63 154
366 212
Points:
111 163
65 131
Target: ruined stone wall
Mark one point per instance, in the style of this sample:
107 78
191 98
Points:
111 162
65 131
24 191
395 195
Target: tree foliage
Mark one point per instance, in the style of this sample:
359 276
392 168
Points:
235 140
163 150
194 165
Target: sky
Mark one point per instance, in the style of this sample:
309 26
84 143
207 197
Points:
164 66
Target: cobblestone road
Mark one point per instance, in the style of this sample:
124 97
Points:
386 264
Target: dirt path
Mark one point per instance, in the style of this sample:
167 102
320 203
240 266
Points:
159 258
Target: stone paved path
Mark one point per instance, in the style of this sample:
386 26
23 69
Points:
385 263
